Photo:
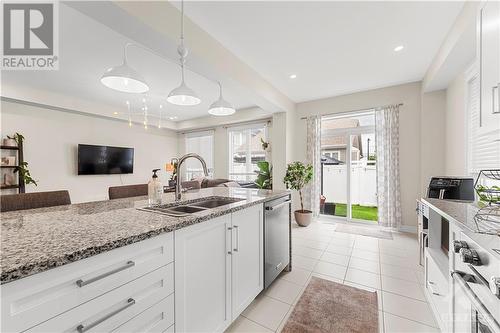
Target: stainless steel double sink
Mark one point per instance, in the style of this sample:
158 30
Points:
185 209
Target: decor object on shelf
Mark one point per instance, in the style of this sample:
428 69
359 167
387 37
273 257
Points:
264 179
297 176
8 179
9 142
24 173
8 161
18 139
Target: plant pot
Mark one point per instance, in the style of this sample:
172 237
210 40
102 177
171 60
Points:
9 142
303 217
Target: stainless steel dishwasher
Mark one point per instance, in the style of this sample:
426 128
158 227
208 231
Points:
277 238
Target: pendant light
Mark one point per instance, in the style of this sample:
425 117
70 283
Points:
124 78
221 107
183 95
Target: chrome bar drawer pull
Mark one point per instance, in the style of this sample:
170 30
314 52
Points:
236 249
82 283
278 205
80 328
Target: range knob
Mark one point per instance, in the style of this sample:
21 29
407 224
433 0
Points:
495 285
470 257
457 245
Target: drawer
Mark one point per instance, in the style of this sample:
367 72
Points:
438 288
37 298
158 318
109 311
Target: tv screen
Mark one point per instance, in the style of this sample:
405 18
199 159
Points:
104 160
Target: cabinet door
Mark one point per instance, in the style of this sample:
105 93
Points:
489 51
203 276
247 258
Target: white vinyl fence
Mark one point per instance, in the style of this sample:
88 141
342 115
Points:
363 184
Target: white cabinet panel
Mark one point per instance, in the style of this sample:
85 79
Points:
247 259
107 312
37 298
156 319
489 55
203 276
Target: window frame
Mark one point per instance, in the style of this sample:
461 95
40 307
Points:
197 134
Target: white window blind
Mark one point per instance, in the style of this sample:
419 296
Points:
201 143
483 145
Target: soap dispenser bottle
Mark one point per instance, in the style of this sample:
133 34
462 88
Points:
155 189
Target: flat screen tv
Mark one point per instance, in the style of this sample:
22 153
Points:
104 160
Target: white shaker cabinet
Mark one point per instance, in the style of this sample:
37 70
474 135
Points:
247 257
218 270
489 57
203 276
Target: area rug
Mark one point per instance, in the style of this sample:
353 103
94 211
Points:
365 231
329 307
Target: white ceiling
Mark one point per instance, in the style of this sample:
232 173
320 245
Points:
333 47
88 48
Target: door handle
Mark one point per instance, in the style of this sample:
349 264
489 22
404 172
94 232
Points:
237 247
278 205
81 329
495 97
80 283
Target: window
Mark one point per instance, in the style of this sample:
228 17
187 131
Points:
245 150
201 143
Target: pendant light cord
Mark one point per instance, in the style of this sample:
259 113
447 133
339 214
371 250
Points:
182 50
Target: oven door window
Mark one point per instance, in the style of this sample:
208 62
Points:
479 325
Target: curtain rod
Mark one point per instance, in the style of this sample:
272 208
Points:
358 110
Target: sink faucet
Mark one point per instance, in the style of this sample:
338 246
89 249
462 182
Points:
178 193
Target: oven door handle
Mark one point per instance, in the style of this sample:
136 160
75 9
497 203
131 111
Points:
476 302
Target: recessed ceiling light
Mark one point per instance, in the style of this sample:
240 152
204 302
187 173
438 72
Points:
115 113
172 118
399 48
293 76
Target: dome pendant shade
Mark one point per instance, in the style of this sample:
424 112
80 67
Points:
221 107
125 79
183 95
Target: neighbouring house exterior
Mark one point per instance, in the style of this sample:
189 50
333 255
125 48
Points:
335 146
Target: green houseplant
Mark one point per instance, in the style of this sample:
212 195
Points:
264 179
24 172
297 176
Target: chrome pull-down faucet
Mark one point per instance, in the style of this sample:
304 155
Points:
181 160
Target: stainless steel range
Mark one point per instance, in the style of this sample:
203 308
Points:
476 284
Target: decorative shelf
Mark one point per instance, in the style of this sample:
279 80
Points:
8 166
9 147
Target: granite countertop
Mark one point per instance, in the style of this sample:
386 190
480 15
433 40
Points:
36 240
464 214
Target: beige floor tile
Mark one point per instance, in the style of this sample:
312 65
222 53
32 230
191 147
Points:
338 249
397 261
402 287
397 272
267 311
303 262
307 252
381 328
395 324
342 242
297 275
333 258
329 269
327 277
408 308
284 291
308 243
362 277
365 265
244 325
363 254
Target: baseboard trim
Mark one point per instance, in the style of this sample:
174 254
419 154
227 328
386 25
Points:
408 228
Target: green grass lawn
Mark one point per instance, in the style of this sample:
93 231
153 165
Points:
358 212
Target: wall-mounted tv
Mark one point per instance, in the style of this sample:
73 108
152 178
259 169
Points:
104 160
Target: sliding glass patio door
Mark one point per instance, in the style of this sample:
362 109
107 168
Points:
348 164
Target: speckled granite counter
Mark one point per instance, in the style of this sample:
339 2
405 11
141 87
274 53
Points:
463 214
36 240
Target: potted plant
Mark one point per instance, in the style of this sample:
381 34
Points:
13 141
24 173
264 179
297 176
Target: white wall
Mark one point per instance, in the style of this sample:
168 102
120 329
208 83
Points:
410 95
51 148
433 136
456 127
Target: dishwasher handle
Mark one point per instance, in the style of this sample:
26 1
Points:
278 205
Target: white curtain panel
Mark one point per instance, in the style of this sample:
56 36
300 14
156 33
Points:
312 191
388 187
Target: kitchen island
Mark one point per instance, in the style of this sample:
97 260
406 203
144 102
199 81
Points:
110 266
